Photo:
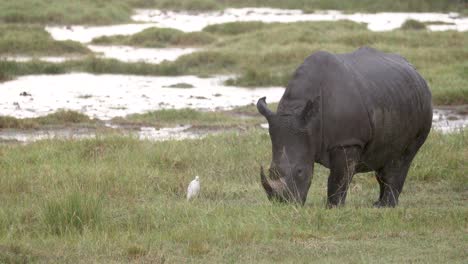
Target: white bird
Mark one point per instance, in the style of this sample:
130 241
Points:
193 189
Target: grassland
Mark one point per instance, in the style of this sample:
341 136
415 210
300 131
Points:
118 199
119 11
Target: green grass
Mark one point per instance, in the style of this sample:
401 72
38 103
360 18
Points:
235 28
34 40
65 12
61 117
117 199
411 24
158 38
180 86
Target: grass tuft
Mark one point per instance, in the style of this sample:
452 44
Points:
72 214
235 28
34 40
61 117
411 24
158 38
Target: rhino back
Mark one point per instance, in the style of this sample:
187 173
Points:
368 98
397 99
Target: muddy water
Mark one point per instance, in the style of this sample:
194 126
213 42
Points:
107 96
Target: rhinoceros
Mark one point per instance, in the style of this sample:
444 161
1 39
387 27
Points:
354 112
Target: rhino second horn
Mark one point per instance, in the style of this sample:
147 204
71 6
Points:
263 108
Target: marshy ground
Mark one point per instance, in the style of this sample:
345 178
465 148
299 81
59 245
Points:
93 184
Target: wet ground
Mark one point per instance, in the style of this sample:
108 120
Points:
107 96
196 21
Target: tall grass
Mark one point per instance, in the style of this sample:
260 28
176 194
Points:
115 199
73 213
171 117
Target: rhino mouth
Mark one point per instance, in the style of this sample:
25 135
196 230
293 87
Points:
277 189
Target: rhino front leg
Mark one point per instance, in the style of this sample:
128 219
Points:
343 161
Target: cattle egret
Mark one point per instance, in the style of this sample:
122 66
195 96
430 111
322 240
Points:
193 189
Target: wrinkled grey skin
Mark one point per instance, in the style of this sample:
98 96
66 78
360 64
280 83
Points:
356 112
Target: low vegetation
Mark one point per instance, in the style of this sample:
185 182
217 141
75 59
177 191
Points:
34 40
65 12
412 24
235 28
59 118
171 117
118 199
158 38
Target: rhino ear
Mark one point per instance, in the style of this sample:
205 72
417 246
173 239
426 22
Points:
310 109
263 108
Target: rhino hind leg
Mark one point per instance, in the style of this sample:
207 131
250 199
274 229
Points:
391 180
392 176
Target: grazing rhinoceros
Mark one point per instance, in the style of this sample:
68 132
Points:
355 112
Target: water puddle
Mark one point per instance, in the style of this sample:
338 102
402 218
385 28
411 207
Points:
107 96
192 21
35 135
51 59
133 54
450 119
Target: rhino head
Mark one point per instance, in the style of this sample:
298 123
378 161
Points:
293 147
